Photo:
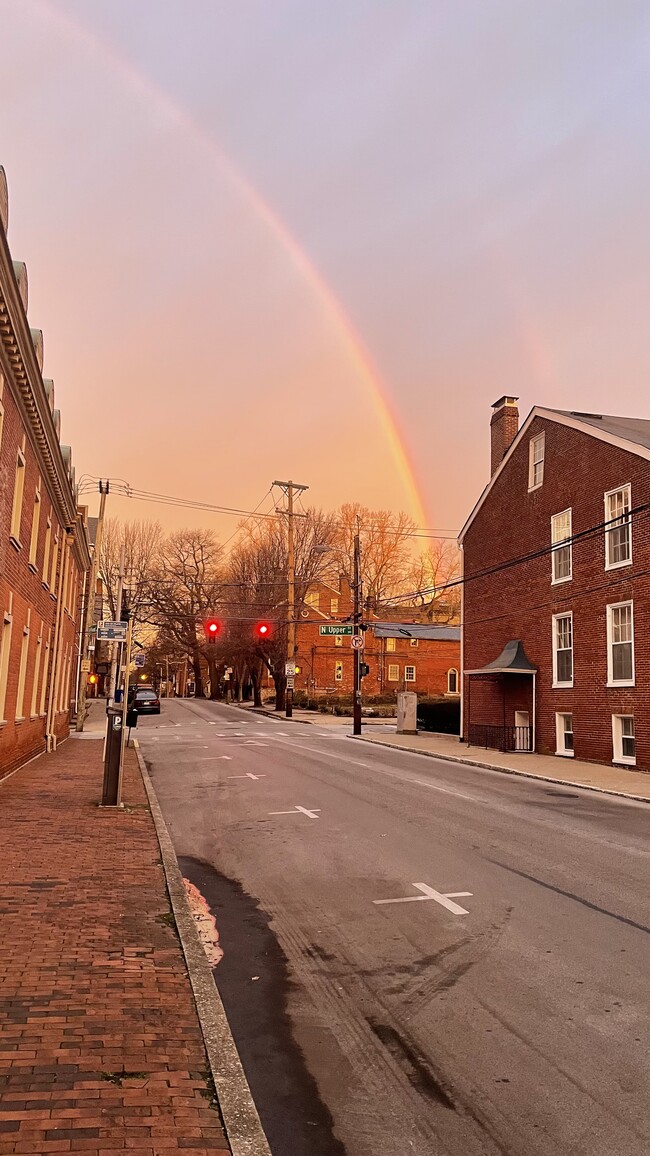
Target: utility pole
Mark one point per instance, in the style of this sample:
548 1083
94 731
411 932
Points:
90 606
290 488
356 704
112 686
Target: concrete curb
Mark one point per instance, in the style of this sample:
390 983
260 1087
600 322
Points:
501 770
279 717
242 1123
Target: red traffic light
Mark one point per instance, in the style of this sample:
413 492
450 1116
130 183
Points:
262 630
211 626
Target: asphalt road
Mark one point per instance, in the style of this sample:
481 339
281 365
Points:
511 1018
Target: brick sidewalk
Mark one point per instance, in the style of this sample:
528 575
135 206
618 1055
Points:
100 1045
573 772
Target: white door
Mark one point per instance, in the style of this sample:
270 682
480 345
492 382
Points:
522 733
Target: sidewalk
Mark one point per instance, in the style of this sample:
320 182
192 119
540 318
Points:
552 769
101 1049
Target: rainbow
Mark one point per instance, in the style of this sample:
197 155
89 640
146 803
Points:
328 302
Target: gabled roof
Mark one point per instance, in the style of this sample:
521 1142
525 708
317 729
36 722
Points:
416 630
626 433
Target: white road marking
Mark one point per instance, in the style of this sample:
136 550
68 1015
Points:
212 758
248 775
252 743
429 893
311 814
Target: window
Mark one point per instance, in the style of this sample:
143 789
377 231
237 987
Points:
17 508
22 673
452 681
55 551
561 543
563 650
564 734
414 642
312 598
618 535
2 419
393 672
5 648
409 674
46 551
37 670
334 605
338 672
390 645
623 740
620 644
33 544
41 709
536 462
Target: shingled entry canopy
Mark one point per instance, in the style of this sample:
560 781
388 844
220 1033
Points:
512 663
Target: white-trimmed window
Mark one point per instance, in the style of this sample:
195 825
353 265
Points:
53 564
564 734
37 670
46 551
36 517
46 665
312 598
563 649
536 448
409 674
414 642
390 645
17 507
623 740
393 671
618 532
561 553
5 650
22 674
452 681
620 644
334 605
338 672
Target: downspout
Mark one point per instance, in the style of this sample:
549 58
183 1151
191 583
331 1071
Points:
50 736
462 646
534 748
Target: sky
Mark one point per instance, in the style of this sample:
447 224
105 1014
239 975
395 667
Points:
316 239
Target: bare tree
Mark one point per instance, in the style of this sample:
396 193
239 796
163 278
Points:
434 577
136 543
385 547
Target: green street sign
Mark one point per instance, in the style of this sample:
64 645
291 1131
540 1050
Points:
336 628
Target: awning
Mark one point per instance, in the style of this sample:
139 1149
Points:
512 660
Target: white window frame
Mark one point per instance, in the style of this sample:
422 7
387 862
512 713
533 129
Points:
46 551
558 544
390 646
33 713
561 731
393 672
452 670
611 681
617 740
22 674
539 439
36 521
410 677
312 599
17 505
414 642
5 654
626 520
556 650
334 605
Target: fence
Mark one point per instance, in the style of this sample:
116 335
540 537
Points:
500 738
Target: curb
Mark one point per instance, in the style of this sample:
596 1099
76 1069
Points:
503 770
279 717
242 1123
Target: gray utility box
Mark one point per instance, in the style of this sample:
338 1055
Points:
407 713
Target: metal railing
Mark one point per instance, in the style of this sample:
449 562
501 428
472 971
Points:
500 738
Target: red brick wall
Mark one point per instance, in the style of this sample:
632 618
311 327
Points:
519 601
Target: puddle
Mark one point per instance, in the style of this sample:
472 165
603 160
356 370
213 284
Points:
206 924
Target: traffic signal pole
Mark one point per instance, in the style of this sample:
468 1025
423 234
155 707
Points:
356 704
290 488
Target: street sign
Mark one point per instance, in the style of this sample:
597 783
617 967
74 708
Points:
336 628
290 683
290 669
357 641
140 659
112 631
85 665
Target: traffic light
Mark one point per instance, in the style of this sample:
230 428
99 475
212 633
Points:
262 630
364 669
212 627
92 679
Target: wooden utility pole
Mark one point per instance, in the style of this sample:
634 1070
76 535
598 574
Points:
90 606
290 488
358 652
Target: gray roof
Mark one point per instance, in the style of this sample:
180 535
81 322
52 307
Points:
415 630
512 660
631 429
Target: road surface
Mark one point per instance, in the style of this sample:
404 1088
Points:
420 957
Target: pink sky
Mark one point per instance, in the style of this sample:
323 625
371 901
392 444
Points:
212 197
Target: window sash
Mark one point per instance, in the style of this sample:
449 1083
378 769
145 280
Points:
393 672
409 674
563 648
620 639
390 645
561 532
452 681
618 536
536 461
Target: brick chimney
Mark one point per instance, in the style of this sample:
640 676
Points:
504 427
345 593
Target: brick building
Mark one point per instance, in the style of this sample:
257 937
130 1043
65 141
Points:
405 655
43 546
556 595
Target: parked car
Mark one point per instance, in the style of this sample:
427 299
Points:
146 701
